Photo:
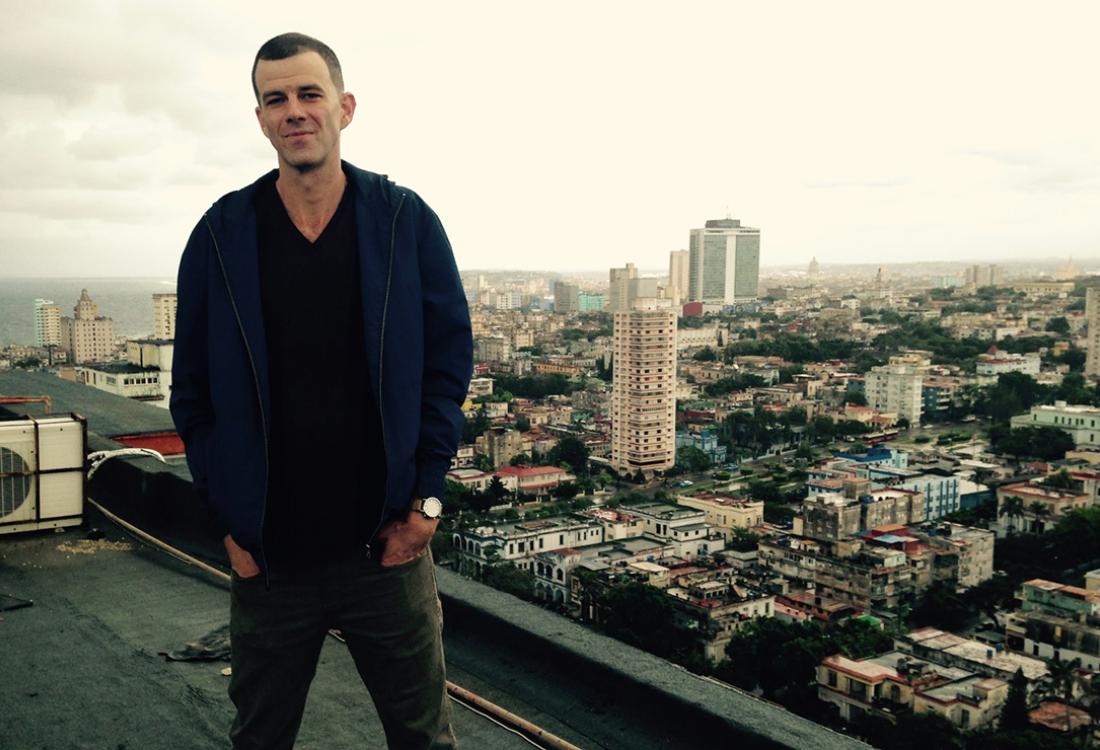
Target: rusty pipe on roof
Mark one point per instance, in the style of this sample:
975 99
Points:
543 737
45 400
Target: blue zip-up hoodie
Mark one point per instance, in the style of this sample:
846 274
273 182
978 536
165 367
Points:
418 342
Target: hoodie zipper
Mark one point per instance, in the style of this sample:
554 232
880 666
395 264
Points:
381 369
259 396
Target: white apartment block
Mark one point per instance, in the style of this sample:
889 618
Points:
643 401
164 316
47 323
86 336
896 389
1081 422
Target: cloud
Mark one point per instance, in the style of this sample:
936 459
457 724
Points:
108 143
1035 171
870 184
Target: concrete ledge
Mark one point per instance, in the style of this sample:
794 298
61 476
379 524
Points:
706 709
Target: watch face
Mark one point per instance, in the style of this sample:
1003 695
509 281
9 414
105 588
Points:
432 508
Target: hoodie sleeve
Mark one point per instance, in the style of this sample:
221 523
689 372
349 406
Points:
448 356
190 404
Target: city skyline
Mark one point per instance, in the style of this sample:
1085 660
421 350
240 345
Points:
841 136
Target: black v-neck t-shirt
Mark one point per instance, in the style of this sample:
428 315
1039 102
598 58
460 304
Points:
326 460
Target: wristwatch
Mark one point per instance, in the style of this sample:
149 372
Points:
429 507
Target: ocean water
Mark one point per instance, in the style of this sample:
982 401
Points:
129 302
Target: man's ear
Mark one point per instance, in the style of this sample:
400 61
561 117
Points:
347 106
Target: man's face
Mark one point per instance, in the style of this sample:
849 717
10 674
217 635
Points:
300 110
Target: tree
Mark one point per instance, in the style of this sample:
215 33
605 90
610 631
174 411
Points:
571 451
1013 507
565 491
692 459
1038 511
640 615
1058 325
1014 711
706 354
805 452
497 489
523 424
856 398
1047 443
474 428
941 607
1074 390
743 540
510 579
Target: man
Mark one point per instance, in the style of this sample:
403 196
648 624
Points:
323 351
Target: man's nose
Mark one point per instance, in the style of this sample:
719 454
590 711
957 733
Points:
294 110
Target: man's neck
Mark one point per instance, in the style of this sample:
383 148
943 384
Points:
311 198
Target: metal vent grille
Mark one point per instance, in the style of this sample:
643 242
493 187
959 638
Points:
15 482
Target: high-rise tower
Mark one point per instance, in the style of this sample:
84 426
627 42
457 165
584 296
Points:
724 262
618 297
86 336
1092 318
678 261
164 315
643 401
47 323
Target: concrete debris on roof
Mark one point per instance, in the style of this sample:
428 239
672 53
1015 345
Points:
91 546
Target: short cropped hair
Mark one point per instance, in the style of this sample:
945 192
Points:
291 44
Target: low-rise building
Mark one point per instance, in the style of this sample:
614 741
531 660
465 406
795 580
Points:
536 480
833 516
1081 422
724 512
519 541
704 440
871 578
1056 621
894 684
714 607
952 650
1032 507
996 362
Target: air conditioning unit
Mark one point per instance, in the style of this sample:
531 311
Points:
42 472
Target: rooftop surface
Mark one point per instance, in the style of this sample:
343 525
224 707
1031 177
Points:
86 656
88 674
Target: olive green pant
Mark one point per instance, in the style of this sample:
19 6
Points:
392 621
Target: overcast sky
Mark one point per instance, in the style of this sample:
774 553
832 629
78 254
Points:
572 135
